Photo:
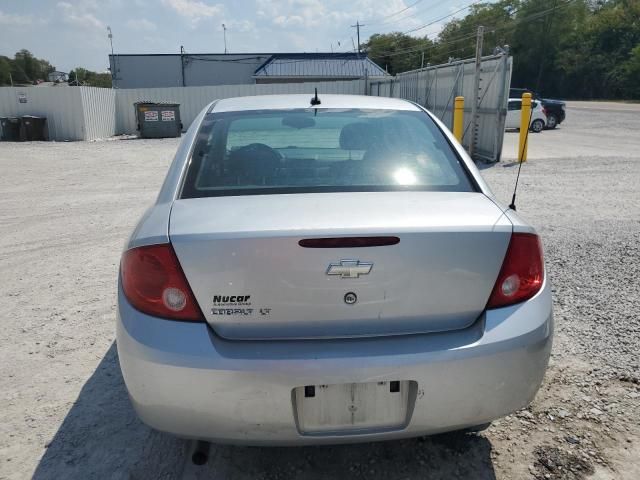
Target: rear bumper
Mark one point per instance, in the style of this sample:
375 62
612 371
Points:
185 380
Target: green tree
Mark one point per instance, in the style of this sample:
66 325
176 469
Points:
458 38
631 74
543 34
30 68
614 32
5 70
82 76
397 52
562 48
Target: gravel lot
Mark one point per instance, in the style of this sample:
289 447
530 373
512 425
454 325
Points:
66 209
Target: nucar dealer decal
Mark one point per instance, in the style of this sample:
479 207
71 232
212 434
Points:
232 305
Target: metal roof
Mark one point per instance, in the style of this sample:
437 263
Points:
284 102
335 65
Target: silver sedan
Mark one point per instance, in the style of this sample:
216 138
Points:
328 270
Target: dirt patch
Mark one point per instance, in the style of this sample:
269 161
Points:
556 464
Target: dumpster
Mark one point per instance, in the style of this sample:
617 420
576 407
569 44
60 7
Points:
158 120
10 128
33 128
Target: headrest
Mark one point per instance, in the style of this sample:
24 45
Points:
356 136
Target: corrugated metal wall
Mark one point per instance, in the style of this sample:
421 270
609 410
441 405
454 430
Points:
436 87
73 113
99 108
193 99
61 105
88 113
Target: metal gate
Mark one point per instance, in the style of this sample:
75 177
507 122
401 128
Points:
485 90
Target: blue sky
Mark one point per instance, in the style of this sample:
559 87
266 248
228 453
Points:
72 33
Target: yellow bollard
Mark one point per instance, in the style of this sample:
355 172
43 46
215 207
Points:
458 118
525 117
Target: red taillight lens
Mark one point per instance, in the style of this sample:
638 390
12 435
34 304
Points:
154 283
522 272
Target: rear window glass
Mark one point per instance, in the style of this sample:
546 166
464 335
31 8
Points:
321 150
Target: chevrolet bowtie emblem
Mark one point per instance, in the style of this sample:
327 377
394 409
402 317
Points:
349 268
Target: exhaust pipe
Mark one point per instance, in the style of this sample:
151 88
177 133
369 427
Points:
200 453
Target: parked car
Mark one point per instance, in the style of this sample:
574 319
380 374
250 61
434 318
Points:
328 271
514 111
555 109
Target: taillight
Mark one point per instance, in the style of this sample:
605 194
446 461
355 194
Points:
154 283
522 272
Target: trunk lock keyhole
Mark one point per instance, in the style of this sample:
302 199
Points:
350 298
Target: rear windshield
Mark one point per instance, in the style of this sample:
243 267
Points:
321 150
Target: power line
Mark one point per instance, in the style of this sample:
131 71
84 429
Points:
533 16
448 52
405 17
471 29
517 22
432 22
410 14
426 47
441 18
378 22
420 50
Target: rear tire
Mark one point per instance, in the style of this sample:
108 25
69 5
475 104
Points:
552 121
537 126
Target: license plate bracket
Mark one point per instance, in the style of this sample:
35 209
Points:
353 407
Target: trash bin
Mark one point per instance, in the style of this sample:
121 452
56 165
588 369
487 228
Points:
10 127
33 128
158 120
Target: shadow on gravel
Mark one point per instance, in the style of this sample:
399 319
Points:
486 166
101 437
449 456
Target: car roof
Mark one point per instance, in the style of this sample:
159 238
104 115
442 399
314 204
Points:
285 102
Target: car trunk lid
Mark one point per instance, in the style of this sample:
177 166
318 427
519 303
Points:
243 258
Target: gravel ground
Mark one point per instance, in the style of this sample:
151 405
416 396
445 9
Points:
66 209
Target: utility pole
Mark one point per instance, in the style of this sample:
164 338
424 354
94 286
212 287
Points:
110 35
422 63
224 30
476 89
113 58
357 27
182 63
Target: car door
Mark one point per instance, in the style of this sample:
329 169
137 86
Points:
513 114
